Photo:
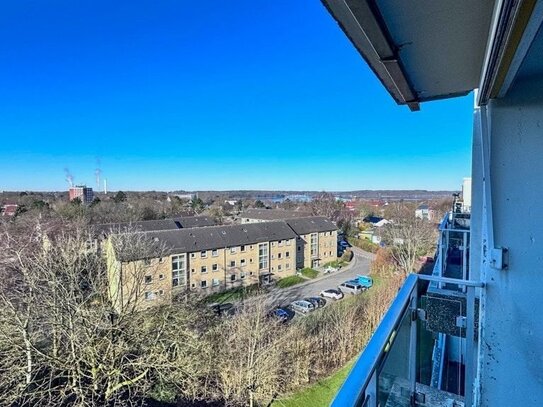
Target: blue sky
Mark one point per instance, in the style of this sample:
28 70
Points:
209 95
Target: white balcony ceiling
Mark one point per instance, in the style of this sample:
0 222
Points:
420 49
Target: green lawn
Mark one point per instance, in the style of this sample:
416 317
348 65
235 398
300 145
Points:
234 294
319 394
309 272
289 281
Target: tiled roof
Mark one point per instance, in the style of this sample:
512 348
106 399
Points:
311 224
215 237
160 224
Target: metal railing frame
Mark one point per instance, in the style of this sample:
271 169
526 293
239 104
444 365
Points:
361 386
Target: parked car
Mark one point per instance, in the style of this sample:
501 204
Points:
352 286
365 281
332 293
302 306
223 309
281 314
318 302
330 269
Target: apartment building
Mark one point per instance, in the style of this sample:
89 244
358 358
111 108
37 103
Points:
183 222
146 268
316 242
149 266
269 215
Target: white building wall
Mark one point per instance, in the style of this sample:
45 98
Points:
512 331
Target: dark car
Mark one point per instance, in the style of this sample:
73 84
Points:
223 309
318 302
281 314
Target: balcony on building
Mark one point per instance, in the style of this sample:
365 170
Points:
421 351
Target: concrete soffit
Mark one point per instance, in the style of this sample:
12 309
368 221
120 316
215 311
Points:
515 24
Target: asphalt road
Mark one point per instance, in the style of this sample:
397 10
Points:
284 296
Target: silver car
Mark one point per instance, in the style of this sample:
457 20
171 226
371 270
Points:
302 306
351 287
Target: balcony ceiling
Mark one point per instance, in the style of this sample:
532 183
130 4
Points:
420 49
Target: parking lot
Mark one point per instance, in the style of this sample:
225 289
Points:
282 297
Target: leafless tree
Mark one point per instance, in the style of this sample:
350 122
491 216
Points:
408 237
63 343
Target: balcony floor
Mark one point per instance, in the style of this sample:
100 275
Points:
399 396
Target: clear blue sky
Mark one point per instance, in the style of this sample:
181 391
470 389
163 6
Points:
209 95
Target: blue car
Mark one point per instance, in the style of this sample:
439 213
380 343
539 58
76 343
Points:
280 314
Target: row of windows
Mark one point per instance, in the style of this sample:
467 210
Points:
242 249
216 281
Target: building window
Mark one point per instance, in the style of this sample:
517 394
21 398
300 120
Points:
242 275
232 263
161 292
232 277
192 270
242 249
215 282
279 267
273 256
193 255
161 276
179 270
232 250
161 260
203 254
149 295
278 255
314 244
287 254
242 262
299 248
215 267
203 283
280 243
214 252
148 279
203 269
288 266
262 256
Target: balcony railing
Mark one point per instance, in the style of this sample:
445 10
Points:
397 366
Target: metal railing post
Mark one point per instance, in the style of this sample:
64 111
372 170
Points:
471 345
413 342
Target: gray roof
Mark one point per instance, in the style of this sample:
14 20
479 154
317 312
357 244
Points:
311 224
272 214
159 224
215 237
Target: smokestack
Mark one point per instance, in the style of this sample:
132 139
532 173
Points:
105 186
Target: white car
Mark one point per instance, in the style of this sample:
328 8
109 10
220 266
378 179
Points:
302 306
332 293
330 269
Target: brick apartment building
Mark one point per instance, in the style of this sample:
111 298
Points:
213 258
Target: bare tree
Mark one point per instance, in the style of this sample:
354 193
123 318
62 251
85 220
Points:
249 361
65 342
325 204
408 237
